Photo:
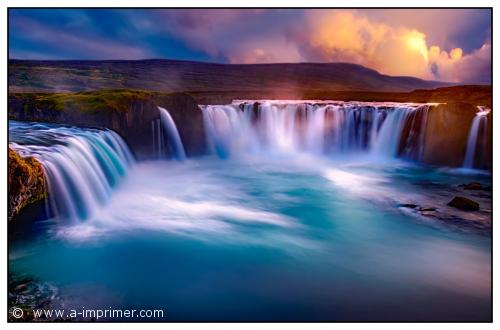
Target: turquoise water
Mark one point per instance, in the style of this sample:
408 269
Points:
269 238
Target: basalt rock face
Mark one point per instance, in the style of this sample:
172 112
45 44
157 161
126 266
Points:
446 133
135 125
129 113
132 113
486 146
189 121
26 182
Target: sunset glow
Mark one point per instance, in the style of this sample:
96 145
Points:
443 44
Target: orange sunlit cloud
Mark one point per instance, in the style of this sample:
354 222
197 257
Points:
351 37
348 36
438 44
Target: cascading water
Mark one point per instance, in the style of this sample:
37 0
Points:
157 139
413 132
336 217
478 136
382 129
387 134
81 166
167 137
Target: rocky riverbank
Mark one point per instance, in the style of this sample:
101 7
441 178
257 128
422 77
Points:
465 207
26 182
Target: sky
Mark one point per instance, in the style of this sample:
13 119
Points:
435 44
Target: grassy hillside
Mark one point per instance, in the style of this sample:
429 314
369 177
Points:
181 76
89 102
119 100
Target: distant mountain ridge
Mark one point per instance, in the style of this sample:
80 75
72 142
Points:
179 76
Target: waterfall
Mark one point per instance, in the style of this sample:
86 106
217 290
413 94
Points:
158 139
388 138
478 136
333 128
413 134
81 166
171 137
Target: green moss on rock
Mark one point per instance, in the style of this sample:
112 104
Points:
88 102
26 182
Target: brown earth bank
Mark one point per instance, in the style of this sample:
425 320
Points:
473 94
26 182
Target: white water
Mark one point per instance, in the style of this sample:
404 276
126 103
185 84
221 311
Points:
263 234
313 231
81 165
318 128
171 135
477 135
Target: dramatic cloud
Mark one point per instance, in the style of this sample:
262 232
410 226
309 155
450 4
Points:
269 50
95 47
442 44
331 36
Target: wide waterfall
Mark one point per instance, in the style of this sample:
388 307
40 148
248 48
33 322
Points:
334 128
302 186
81 166
476 142
166 138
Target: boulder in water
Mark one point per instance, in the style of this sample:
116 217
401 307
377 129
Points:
427 208
474 186
408 205
464 203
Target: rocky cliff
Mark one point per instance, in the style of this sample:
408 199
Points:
26 182
129 113
446 134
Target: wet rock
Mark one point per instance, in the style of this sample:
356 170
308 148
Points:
446 133
21 287
427 209
25 181
27 293
408 205
482 195
473 186
464 203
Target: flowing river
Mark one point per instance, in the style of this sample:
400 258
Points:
278 223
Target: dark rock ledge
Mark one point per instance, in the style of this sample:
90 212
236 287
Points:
128 112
